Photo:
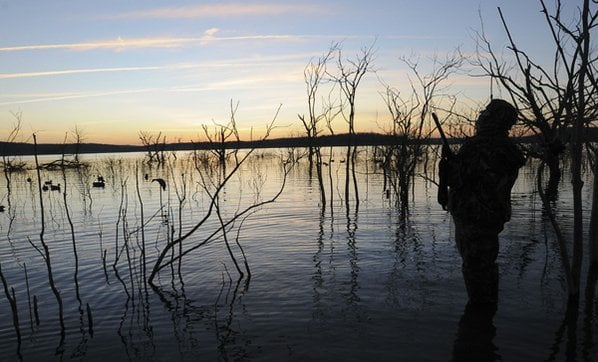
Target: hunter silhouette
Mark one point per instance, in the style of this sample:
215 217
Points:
476 187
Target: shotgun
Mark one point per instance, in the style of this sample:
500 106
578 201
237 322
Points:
445 143
443 166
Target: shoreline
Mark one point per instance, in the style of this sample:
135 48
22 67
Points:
360 139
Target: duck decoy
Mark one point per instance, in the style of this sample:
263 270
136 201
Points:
55 187
49 182
161 182
99 182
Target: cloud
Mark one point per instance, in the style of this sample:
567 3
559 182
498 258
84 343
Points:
68 96
259 79
227 10
211 32
122 44
271 78
115 44
229 64
75 71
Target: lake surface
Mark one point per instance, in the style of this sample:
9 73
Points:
344 283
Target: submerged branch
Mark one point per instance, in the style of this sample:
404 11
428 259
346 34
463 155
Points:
160 263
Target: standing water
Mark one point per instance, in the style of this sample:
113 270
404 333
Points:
325 283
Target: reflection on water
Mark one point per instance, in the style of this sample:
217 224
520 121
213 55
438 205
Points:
475 335
340 283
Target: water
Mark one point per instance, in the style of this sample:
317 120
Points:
337 285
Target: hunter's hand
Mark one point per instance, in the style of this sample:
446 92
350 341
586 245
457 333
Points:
446 152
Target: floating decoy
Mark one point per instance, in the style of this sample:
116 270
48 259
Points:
1 208
55 187
99 182
161 182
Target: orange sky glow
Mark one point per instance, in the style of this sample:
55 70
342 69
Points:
113 69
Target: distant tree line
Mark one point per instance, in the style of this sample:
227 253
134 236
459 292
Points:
334 140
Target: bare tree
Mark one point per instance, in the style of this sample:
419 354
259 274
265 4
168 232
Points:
349 74
545 95
155 146
213 188
71 144
592 151
221 135
77 137
410 121
9 164
557 102
593 231
314 75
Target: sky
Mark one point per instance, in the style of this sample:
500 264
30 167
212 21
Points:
114 68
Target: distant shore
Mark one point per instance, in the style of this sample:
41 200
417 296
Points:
360 139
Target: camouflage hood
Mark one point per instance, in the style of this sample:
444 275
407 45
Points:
497 119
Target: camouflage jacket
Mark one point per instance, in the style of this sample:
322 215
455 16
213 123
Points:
480 177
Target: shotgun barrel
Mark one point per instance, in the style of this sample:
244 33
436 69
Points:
442 135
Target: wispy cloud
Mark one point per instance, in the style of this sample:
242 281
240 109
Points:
228 10
229 64
251 82
258 80
115 44
79 95
122 44
75 71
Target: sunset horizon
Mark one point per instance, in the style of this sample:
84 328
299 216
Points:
114 70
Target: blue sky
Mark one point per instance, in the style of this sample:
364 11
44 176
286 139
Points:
113 68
